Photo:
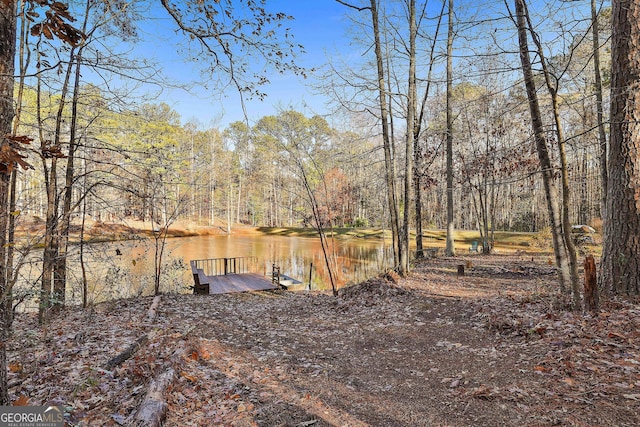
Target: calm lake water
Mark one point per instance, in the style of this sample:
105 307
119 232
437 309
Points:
125 269
356 260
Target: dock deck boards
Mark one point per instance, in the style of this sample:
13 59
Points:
239 283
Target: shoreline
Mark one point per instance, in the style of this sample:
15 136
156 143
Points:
29 231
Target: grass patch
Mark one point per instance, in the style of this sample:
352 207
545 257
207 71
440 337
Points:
338 232
505 241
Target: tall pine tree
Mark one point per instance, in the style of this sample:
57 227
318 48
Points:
620 267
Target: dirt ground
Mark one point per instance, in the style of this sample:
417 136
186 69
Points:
492 348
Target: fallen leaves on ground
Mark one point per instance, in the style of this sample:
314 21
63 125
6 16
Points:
493 347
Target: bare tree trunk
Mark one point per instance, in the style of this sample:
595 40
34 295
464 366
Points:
492 212
83 269
50 182
602 137
620 265
5 302
157 260
566 239
541 146
418 212
10 242
53 282
450 245
239 199
411 118
52 285
397 238
390 175
7 294
59 260
212 184
484 211
65 223
417 151
566 224
329 255
229 206
7 58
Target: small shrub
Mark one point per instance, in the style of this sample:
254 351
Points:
360 222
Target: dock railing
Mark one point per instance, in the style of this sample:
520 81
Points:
225 266
203 269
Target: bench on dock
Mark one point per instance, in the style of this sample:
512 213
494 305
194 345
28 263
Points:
201 282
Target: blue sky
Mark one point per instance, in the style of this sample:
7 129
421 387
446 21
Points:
319 26
322 27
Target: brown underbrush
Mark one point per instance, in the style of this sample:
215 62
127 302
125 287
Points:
494 347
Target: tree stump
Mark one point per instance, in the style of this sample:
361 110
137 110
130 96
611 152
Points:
153 310
460 269
591 293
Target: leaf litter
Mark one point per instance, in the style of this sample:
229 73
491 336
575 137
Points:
495 347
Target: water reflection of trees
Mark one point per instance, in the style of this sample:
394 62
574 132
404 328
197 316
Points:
114 270
125 269
354 262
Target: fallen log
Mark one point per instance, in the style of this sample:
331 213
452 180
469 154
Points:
135 346
127 353
153 409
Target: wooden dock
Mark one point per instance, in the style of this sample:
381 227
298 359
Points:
244 282
227 275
